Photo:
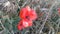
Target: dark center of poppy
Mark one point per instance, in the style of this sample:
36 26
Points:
27 17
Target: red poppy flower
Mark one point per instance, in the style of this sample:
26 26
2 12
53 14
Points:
24 23
28 13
